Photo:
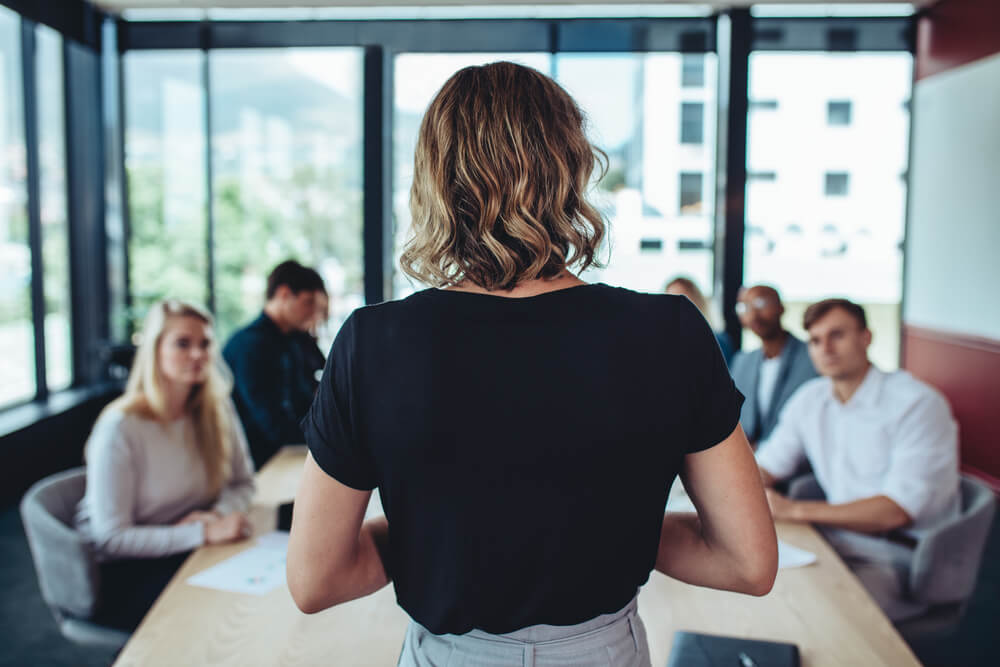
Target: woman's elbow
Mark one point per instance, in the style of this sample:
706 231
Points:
310 594
760 571
306 596
761 582
308 604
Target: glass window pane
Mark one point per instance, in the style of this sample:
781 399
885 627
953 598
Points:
831 222
654 189
17 372
287 174
633 107
418 77
165 167
55 225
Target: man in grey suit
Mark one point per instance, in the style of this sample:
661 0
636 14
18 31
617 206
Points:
768 376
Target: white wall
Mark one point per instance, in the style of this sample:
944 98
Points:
953 239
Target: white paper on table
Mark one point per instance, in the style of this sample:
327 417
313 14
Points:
680 503
256 571
789 556
276 539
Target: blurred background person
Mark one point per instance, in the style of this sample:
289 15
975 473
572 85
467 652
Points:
769 375
167 464
685 286
307 341
272 389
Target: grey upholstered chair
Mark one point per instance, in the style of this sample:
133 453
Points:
64 560
946 559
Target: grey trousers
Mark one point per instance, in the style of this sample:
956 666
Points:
609 640
882 566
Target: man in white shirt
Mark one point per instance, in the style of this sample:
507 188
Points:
883 447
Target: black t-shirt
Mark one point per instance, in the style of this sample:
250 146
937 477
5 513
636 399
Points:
523 447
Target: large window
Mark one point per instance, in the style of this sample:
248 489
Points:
17 372
631 104
165 166
832 224
286 162
55 224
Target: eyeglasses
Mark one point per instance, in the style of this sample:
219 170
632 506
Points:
759 303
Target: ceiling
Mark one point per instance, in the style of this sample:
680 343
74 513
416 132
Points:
534 5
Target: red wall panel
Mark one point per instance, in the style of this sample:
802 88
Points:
967 371
956 32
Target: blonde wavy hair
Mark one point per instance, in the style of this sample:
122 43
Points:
501 169
208 403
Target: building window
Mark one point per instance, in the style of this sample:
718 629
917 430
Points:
763 105
762 176
838 112
836 184
691 193
650 245
692 70
692 122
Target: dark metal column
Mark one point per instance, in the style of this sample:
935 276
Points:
34 203
206 84
377 182
734 40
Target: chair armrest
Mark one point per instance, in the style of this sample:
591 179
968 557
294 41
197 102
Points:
947 557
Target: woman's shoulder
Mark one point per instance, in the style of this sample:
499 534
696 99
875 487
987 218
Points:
643 303
119 424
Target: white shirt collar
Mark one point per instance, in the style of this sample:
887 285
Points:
867 393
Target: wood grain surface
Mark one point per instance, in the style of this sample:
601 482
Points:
822 608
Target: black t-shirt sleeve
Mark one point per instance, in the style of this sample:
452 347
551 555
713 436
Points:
715 399
330 425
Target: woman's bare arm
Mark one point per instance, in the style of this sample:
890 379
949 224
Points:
730 544
334 555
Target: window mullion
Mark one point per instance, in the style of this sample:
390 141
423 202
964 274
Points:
34 203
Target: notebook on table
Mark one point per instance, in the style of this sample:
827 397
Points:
693 649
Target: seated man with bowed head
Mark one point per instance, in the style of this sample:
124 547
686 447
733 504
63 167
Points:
769 375
883 446
272 388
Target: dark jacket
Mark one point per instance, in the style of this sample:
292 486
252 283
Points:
271 389
795 368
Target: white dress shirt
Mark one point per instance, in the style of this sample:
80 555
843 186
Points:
768 380
895 437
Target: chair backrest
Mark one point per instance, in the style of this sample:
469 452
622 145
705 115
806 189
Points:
64 559
946 560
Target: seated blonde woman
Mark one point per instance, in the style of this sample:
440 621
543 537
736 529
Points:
167 464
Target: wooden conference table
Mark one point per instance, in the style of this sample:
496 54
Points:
822 608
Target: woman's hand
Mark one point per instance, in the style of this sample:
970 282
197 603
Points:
229 528
199 515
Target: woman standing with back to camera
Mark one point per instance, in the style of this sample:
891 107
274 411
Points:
523 427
